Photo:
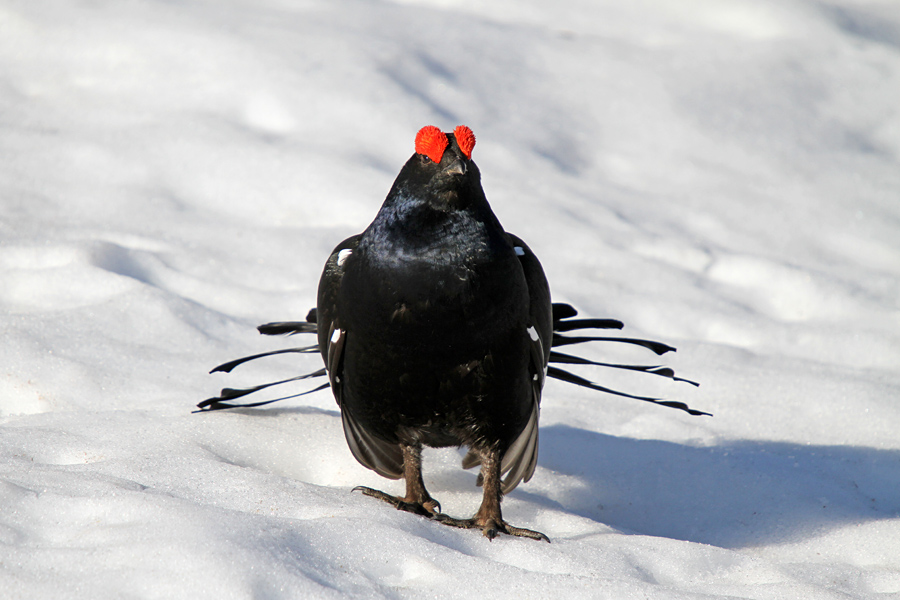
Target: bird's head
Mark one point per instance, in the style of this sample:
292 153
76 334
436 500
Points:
437 202
442 164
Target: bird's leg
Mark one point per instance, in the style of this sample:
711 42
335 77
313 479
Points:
489 518
417 499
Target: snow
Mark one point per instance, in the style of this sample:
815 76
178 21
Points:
721 175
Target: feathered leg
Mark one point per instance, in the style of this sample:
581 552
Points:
489 518
417 499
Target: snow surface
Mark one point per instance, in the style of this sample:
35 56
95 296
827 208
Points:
721 175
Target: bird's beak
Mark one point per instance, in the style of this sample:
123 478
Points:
457 167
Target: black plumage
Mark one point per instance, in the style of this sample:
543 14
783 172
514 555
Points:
436 328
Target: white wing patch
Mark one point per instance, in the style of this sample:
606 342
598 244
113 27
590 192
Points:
343 255
519 251
533 334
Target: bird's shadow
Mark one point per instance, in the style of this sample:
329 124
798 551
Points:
274 412
738 494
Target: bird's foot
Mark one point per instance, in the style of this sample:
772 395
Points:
491 527
428 507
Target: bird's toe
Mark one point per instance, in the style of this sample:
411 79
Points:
521 532
430 507
491 528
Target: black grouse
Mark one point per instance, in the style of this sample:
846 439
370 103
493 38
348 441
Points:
436 328
451 344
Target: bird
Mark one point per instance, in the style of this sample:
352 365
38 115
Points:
437 329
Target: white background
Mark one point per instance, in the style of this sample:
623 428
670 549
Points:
721 175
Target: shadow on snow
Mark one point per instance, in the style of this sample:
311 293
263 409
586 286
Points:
738 494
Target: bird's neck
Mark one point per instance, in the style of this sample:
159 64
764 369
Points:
410 230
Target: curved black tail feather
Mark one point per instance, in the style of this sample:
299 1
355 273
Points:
227 367
287 328
562 375
216 404
559 357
